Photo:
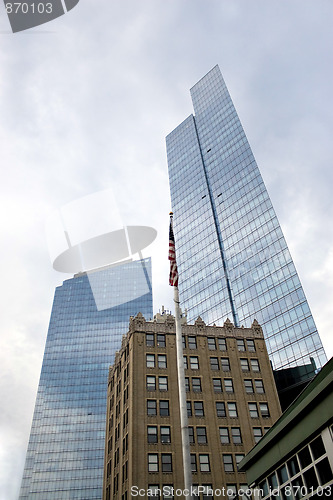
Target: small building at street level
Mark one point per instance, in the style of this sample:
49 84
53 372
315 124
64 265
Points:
295 458
231 403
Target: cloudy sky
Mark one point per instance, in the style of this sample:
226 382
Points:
86 102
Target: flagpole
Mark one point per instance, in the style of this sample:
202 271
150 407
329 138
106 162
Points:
182 399
186 451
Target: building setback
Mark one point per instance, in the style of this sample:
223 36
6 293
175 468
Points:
232 257
66 447
231 400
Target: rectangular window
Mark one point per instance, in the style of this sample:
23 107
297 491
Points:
255 365
264 410
187 384
222 344
224 435
231 491
194 462
150 341
257 434
293 466
194 362
228 463
189 408
165 433
217 384
151 383
317 447
150 360
253 410
161 340
152 462
167 490
236 435
185 362
164 408
192 342
220 409
324 471
191 434
163 383
214 363
154 492
204 463
259 385
201 435
239 457
241 345
166 459
225 364
207 494
152 433
228 385
248 386
232 409
151 407
196 384
162 360
244 365
184 341
198 408
211 343
250 345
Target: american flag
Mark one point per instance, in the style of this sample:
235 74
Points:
173 277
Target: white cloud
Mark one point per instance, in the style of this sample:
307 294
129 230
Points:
87 105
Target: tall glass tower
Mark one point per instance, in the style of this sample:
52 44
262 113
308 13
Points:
232 257
66 448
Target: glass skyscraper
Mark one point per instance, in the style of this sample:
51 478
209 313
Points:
66 448
232 257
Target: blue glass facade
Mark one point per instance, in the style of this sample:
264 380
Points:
232 257
66 448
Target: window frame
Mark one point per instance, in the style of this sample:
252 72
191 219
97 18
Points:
224 438
217 385
151 385
192 341
204 466
151 363
165 435
163 383
162 361
228 463
197 387
211 343
152 438
225 364
167 408
150 339
153 462
214 363
152 407
166 466
198 410
220 407
201 433
194 362
236 436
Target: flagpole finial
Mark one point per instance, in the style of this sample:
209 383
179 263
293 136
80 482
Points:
171 214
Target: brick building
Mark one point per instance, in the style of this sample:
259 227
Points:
231 400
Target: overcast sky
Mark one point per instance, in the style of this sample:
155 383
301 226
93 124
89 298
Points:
86 102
